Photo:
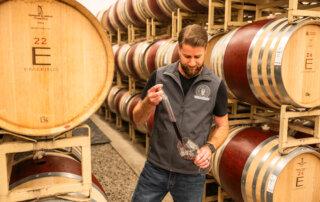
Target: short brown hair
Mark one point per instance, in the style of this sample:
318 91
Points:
193 35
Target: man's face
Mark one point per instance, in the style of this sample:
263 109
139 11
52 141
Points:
191 60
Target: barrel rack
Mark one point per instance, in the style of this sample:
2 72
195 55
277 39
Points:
13 143
233 15
287 120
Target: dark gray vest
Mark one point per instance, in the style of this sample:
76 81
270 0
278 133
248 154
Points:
193 112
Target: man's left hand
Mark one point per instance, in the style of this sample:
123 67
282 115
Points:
203 157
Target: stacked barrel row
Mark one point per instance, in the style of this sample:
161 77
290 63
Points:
142 58
138 60
56 70
136 12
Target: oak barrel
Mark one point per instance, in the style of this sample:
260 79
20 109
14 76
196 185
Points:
136 12
111 96
106 23
130 63
132 103
52 170
249 167
56 66
117 99
135 60
167 53
114 17
121 10
159 9
271 62
152 58
212 40
123 105
120 58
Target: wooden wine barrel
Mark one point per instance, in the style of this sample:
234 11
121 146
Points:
138 60
167 53
52 170
250 168
193 6
130 63
135 60
121 10
120 58
111 96
106 23
123 105
150 55
117 99
136 12
56 66
217 56
115 48
275 65
114 18
130 107
212 40
159 9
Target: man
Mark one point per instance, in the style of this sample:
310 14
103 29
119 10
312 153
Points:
197 98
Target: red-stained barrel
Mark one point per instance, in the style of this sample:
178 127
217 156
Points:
52 170
135 60
136 12
111 98
250 168
271 62
159 9
129 111
105 22
162 52
120 59
117 99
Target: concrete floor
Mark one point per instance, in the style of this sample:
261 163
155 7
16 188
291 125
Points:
132 153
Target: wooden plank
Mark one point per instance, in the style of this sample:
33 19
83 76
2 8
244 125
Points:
244 7
299 142
301 114
21 146
308 13
227 14
237 24
86 164
245 121
38 192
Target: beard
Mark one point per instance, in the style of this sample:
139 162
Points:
189 73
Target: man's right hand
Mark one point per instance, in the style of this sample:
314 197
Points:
154 95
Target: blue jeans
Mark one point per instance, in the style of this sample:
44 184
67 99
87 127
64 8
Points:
154 183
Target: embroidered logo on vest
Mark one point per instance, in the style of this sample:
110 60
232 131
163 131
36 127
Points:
202 92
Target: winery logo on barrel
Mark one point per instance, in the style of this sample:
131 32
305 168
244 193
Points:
202 92
40 14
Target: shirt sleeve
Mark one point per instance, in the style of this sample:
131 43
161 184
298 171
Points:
221 106
151 82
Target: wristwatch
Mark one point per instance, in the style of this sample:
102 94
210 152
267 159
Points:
211 147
